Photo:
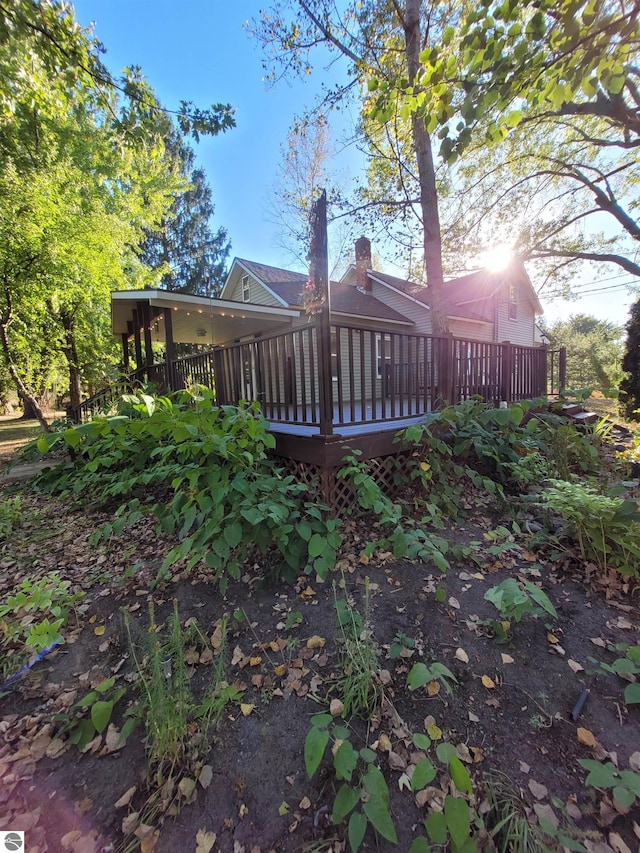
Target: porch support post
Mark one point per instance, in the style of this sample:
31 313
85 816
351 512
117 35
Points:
125 352
137 322
173 382
218 377
320 276
446 391
144 309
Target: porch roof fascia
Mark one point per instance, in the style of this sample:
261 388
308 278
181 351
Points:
185 301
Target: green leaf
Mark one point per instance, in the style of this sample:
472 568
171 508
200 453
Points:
421 741
632 693
460 776
105 685
436 826
445 752
233 534
356 831
317 545
418 676
623 797
377 810
424 773
101 714
600 775
346 800
458 817
345 760
420 845
314 746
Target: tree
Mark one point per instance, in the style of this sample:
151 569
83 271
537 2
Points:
82 174
381 38
630 385
594 350
558 84
190 256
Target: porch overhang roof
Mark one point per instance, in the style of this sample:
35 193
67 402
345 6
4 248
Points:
198 319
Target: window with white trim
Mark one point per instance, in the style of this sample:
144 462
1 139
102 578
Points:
246 289
513 302
383 354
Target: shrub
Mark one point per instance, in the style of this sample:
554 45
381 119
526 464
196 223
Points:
203 471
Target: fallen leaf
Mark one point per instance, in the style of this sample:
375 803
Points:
336 707
538 790
205 841
615 840
148 836
598 641
634 761
462 655
396 761
206 776
186 786
433 688
552 639
130 822
243 811
384 744
473 718
316 642
585 737
487 682
304 804
246 708
99 630
524 767
434 732
238 656
545 812
206 656
575 666
506 658
453 602
125 799
255 661
280 670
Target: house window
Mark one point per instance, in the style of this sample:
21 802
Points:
246 289
383 355
513 302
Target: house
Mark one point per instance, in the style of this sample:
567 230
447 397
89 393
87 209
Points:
348 370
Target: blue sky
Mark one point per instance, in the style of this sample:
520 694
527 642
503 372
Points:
197 50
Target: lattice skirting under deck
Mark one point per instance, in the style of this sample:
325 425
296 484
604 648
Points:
324 485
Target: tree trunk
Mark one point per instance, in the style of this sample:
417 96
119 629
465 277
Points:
31 405
432 238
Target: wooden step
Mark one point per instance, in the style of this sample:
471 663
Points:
585 418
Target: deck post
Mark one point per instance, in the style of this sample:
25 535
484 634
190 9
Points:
507 372
562 369
218 377
320 277
446 392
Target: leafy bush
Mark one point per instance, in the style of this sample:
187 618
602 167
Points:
203 471
10 516
606 529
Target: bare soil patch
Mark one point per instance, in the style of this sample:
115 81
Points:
510 709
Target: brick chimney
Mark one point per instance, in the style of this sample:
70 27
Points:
363 263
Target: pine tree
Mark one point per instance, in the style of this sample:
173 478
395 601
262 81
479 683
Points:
630 385
192 257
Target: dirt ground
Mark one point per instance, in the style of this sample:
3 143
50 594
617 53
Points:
509 710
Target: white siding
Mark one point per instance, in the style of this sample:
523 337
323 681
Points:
520 331
471 331
258 294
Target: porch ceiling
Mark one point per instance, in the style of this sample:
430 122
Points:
199 319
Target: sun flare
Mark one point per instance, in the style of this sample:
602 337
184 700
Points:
497 257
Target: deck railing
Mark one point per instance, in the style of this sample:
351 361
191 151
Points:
376 375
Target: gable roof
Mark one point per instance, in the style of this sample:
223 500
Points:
467 297
287 286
